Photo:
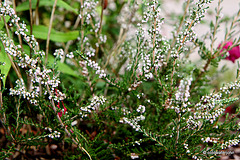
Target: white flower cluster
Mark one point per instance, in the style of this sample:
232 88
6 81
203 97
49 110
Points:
205 109
89 10
44 77
147 66
70 55
59 53
55 134
103 38
96 67
231 143
230 86
186 147
210 139
196 15
21 90
23 60
192 123
195 157
96 102
141 109
134 156
125 111
152 45
133 122
90 52
56 95
52 134
182 95
211 116
210 106
38 75
6 10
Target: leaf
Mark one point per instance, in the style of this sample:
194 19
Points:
6 68
41 32
2 22
62 67
60 3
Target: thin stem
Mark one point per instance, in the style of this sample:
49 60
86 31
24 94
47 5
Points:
100 28
216 26
19 36
18 112
1 106
6 26
29 78
64 126
82 21
178 30
49 30
31 15
71 41
154 36
36 18
178 130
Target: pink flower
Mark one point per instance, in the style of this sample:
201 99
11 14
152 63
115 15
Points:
234 53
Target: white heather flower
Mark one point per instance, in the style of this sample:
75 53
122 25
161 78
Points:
96 102
59 53
134 156
70 55
141 109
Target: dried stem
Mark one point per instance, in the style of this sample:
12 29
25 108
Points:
19 36
82 21
36 18
71 41
49 30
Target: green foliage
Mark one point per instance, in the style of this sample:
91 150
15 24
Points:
25 5
106 83
41 32
5 64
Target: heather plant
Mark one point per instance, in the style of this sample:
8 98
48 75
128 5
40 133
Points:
92 79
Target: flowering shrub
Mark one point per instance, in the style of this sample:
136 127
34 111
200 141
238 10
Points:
108 84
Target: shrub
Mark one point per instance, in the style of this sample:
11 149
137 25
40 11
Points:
104 82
